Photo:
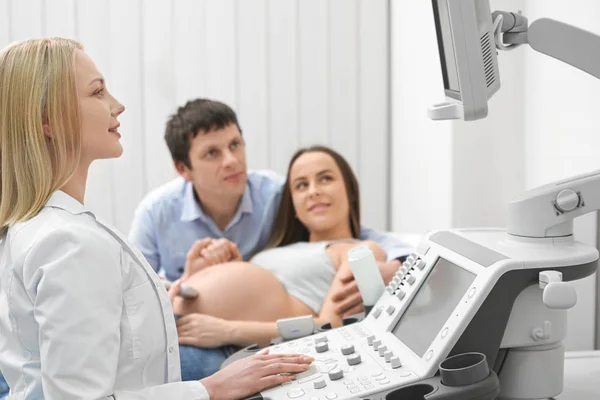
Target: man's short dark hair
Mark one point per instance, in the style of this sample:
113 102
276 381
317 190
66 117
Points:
196 116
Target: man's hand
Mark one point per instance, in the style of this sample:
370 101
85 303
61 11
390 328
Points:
207 252
203 330
221 251
346 294
253 374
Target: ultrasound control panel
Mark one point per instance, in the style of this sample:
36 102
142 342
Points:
422 316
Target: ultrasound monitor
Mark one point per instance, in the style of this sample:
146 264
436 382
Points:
468 58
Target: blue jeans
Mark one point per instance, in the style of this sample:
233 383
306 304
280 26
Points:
3 387
198 363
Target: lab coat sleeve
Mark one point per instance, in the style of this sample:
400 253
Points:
392 247
143 236
73 276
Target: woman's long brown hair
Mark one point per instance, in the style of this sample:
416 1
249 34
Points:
287 229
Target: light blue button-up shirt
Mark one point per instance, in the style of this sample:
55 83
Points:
169 220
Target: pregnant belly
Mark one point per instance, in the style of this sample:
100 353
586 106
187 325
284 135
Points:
240 291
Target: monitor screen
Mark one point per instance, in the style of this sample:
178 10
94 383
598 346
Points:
446 47
431 307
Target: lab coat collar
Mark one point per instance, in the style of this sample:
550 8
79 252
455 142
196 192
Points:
60 199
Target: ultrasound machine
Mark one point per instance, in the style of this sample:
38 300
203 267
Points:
472 314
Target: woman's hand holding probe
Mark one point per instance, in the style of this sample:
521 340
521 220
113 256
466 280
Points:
253 374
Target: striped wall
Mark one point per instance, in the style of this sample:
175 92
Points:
297 72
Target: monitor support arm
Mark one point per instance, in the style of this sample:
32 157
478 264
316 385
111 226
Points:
567 43
548 211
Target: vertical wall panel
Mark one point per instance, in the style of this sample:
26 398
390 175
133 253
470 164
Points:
252 72
374 105
343 56
283 82
313 74
91 14
4 23
221 50
60 18
26 20
296 72
190 58
126 85
158 89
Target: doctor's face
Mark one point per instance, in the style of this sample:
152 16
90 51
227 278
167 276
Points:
99 112
319 193
218 163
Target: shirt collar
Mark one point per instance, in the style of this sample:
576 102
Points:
191 210
60 199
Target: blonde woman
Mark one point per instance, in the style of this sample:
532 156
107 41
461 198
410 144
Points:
82 314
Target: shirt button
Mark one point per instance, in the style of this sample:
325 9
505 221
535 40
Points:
171 349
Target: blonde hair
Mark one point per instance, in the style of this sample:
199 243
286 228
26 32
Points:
37 87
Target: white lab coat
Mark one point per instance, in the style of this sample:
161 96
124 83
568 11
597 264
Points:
83 315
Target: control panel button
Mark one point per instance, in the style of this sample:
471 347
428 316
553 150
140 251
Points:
400 295
376 344
411 279
472 292
429 355
377 312
332 396
319 383
336 374
347 349
395 362
322 347
390 310
403 270
354 359
320 339
420 264
388 355
411 259
382 350
370 339
444 333
390 289
295 393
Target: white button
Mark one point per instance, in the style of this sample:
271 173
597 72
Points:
356 390
411 279
369 386
429 355
348 381
404 374
295 393
472 292
444 333
381 378
377 373
390 310
395 362
420 264
382 350
377 312
170 349
319 383
400 295
388 356
385 382
332 396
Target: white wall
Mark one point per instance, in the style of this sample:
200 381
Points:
541 127
297 72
